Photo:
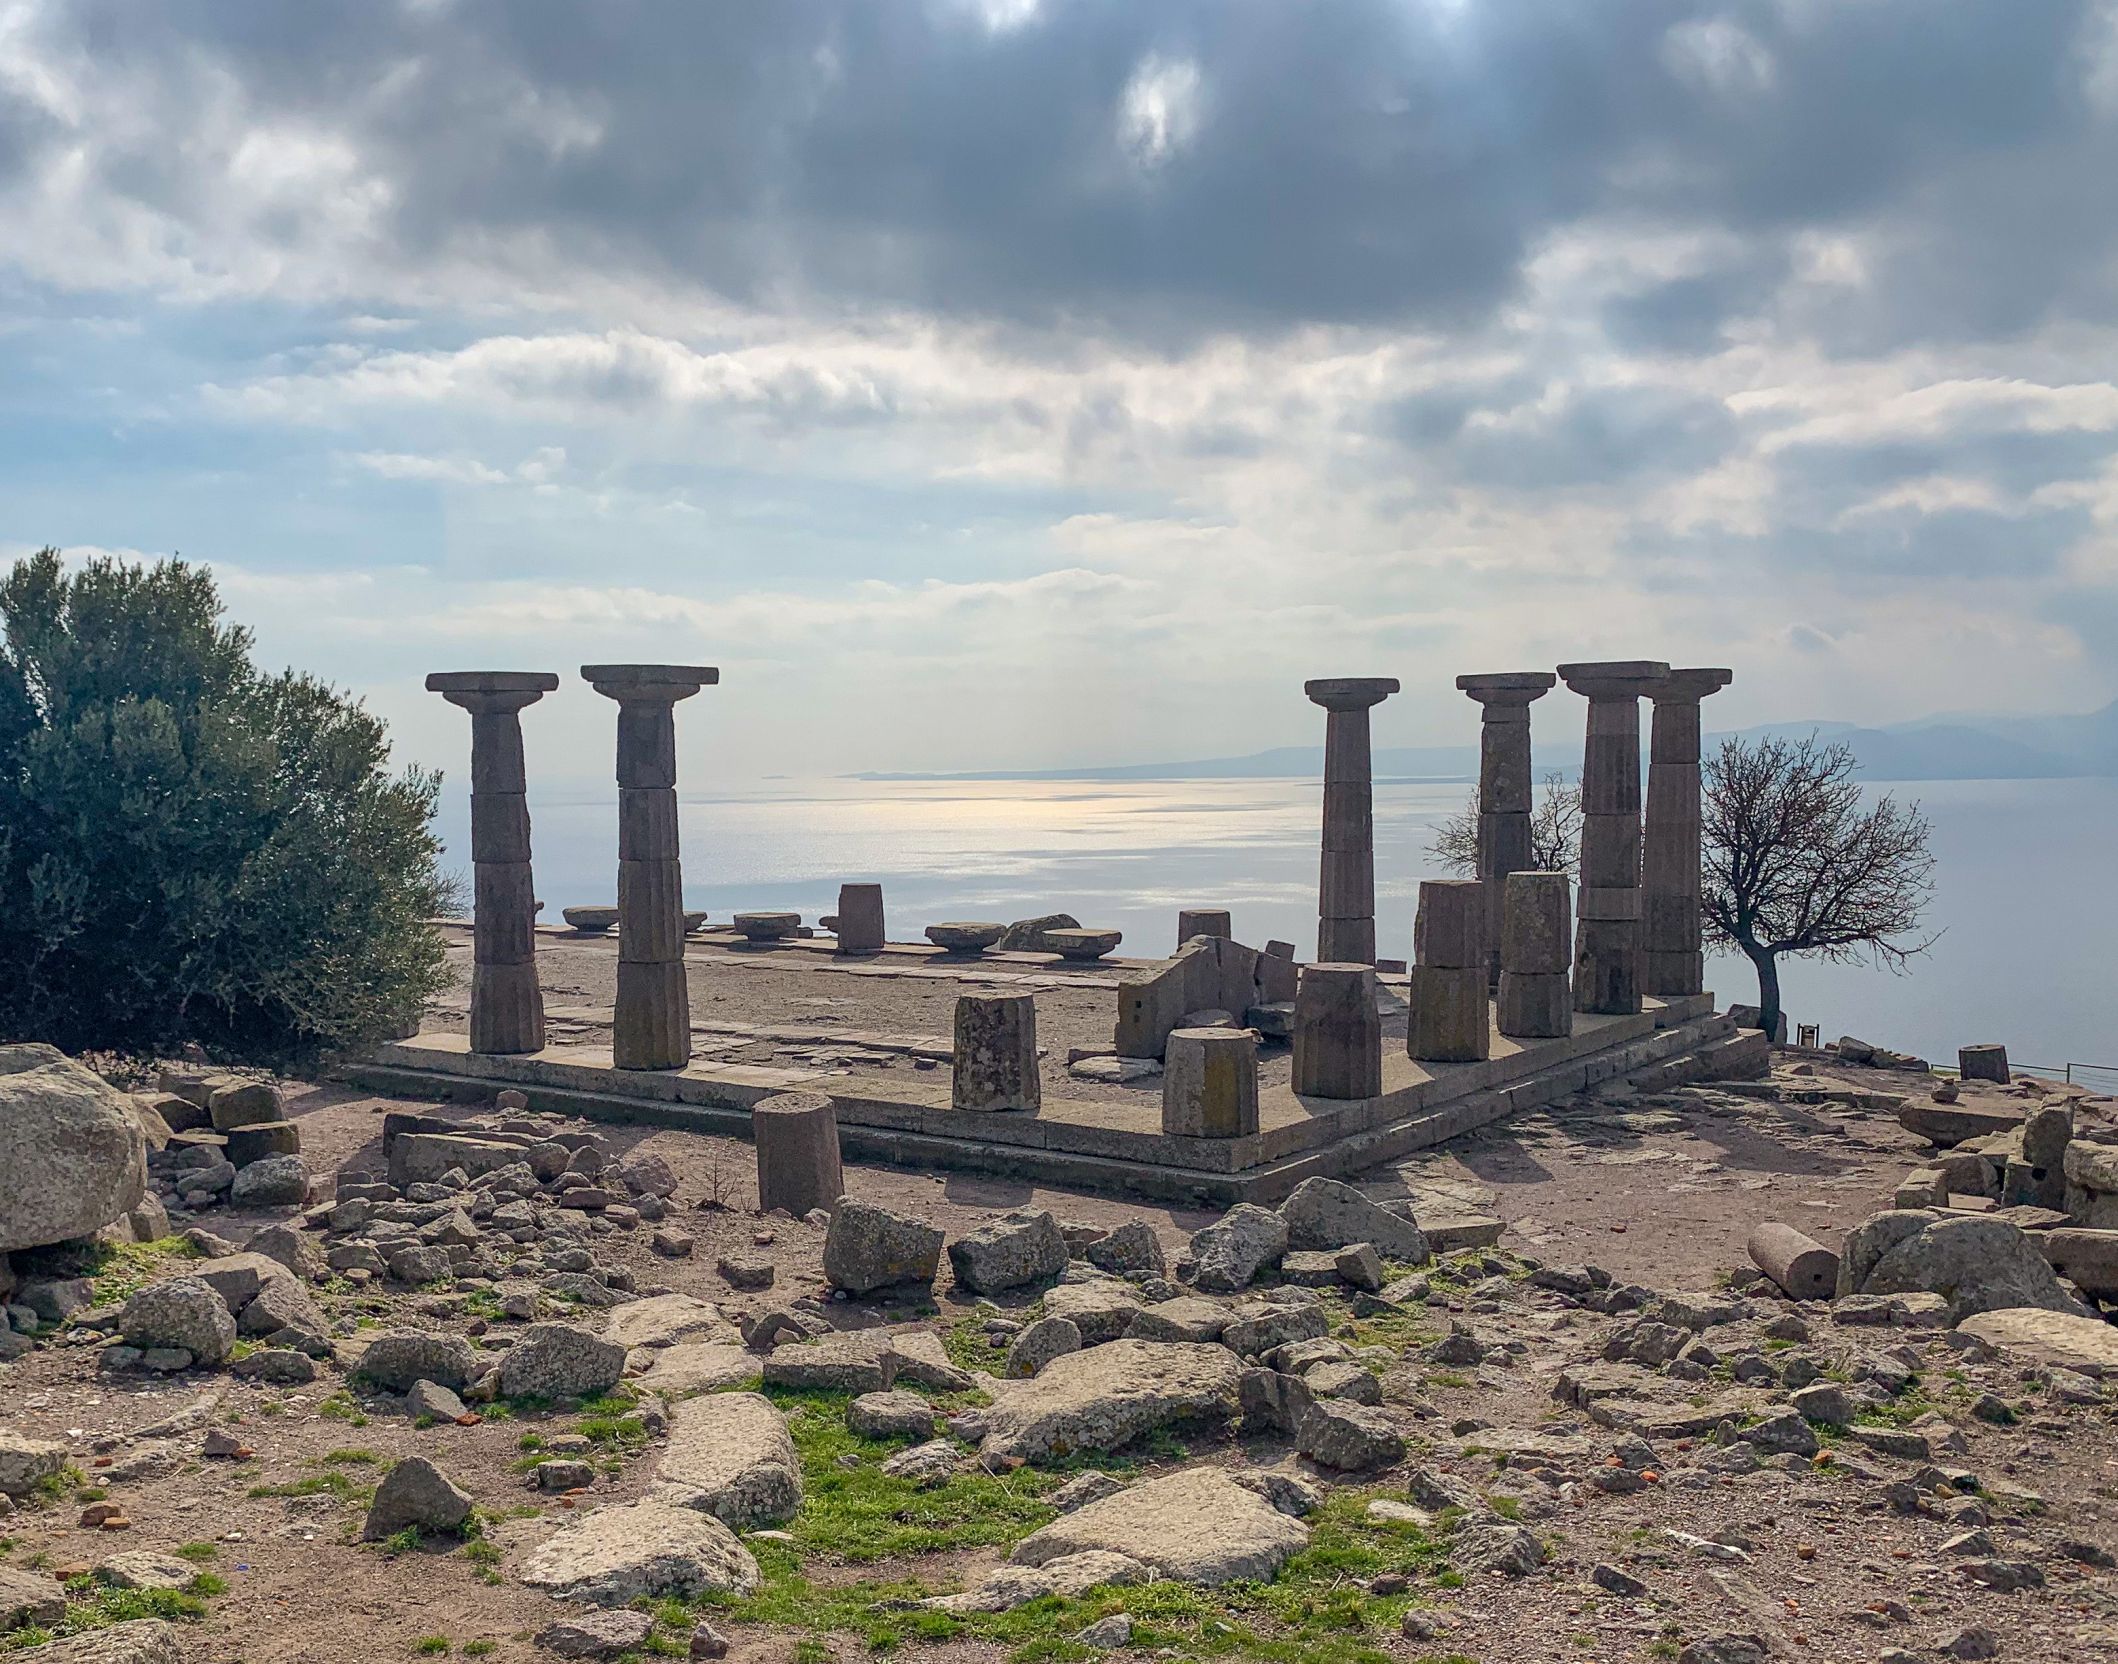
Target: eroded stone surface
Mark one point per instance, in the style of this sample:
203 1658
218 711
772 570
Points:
1107 1396
1197 1525
645 1549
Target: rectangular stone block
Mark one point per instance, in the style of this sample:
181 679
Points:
1152 1003
1349 817
650 912
1669 923
1535 1005
504 913
1673 736
507 1009
1610 851
1537 924
1338 1036
1607 967
1504 769
500 827
860 918
647 824
1666 972
1610 774
1609 903
1346 941
1346 884
1448 1021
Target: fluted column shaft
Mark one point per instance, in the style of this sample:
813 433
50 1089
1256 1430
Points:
1672 960
1504 792
1607 942
507 1008
651 1026
1345 926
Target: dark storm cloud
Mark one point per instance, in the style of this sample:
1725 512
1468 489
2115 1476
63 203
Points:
1347 160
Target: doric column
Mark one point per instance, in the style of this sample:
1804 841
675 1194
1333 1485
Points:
507 1011
1345 927
1338 1035
652 1024
1671 961
1607 944
1504 698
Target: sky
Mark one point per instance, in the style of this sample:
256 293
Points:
1016 383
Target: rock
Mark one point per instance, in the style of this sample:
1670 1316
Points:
1325 1213
245 1104
1972 1643
2054 1340
1107 1396
239 1278
1977 1264
1009 1252
692 1367
1105 1633
1079 1492
415 1494
300 1254
643 1173
141 1641
917 1355
730 1455
72 1156
1781 1434
1496 1546
1038 1344
1196 1525
26 1463
745 1271
870 1247
1727 1649
557 1360
1614 1580
1032 935
858 1361
281 1304
560 1474
1132 1248
1350 1437
1185 1318
643 1550
27 1599
965 936
708 1642
1005 1587
925 1465
1231 1252
144 1569
1101 1308
427 1398
665 1319
596 1634
282 1366
891 1415
396 1362
271 1182
183 1314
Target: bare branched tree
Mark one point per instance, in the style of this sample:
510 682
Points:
1799 864
1555 831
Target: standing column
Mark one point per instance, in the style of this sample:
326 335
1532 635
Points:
1607 944
507 1011
1671 961
1345 926
652 1024
1504 698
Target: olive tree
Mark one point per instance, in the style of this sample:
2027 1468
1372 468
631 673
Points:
192 849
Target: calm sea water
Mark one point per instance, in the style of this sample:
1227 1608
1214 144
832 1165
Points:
2024 910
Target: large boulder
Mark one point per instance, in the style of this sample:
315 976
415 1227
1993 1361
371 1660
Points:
72 1157
182 1314
1107 1396
1231 1251
730 1455
1196 1525
280 1181
1324 1213
395 1361
1976 1263
2048 1339
557 1360
869 1247
666 1320
644 1550
1005 1253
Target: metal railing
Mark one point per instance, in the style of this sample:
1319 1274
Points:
2103 1076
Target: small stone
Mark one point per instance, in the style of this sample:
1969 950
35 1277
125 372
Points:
562 1474
1617 1581
1974 1642
890 1415
1105 1633
416 1494
674 1245
708 1642
746 1271
596 1634
429 1398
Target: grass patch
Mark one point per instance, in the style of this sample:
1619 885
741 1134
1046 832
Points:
966 1344
350 1458
331 1482
340 1406
90 1606
120 1269
432 1646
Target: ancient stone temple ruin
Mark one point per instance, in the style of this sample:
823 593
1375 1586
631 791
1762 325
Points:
1224 1072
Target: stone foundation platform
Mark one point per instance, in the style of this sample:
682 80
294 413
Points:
1096 1144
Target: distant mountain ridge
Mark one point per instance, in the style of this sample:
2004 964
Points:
1930 748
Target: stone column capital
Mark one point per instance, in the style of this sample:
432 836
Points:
649 684
1688 687
1350 693
492 692
1503 691
1615 678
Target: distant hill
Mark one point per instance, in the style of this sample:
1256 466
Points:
1932 748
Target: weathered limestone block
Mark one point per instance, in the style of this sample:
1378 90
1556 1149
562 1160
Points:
996 1053
1534 1007
860 918
1016 1249
1198 1525
965 936
730 1455
798 1167
1976 1263
1231 1251
1329 1213
1607 947
1203 921
1107 1396
1448 1020
1983 1062
870 1247
1210 1084
1338 1035
643 1550
1448 929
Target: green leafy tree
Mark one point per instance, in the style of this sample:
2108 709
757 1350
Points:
191 849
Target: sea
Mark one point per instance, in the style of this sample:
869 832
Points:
2024 905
